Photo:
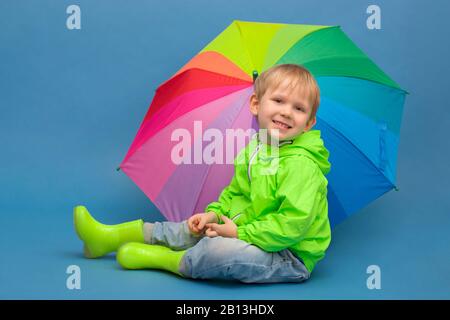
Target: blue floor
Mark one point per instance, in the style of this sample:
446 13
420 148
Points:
390 233
72 100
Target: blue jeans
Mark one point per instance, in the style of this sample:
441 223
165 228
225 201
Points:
227 258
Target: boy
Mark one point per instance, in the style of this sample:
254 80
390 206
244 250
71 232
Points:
265 227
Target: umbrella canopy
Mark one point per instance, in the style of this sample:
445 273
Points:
359 116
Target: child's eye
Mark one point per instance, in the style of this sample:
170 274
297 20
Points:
299 108
277 100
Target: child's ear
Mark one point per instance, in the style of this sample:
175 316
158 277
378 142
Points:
310 124
254 104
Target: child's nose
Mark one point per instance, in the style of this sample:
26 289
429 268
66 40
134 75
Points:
286 112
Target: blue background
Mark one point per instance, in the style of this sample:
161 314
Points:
71 102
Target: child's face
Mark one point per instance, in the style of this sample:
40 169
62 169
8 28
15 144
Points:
284 104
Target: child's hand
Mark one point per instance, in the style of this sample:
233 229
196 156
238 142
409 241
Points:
198 221
228 229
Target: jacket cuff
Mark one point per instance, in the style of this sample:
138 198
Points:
218 215
216 212
242 234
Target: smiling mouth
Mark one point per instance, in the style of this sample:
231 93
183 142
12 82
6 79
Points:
281 124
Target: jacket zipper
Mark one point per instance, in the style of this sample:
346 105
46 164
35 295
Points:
236 216
256 151
251 159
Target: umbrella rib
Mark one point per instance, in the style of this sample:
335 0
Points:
360 78
204 70
244 46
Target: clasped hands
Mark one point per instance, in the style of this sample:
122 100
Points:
206 223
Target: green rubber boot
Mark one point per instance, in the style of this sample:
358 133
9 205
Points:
149 256
100 239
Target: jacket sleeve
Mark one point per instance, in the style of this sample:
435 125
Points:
223 204
299 191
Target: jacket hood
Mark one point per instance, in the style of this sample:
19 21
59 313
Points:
309 144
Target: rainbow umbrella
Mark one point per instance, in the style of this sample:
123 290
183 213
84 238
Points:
359 116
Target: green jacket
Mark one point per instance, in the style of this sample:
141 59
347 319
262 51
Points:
279 201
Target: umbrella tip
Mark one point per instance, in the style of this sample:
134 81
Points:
118 168
255 75
396 188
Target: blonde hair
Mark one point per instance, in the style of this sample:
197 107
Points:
273 77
